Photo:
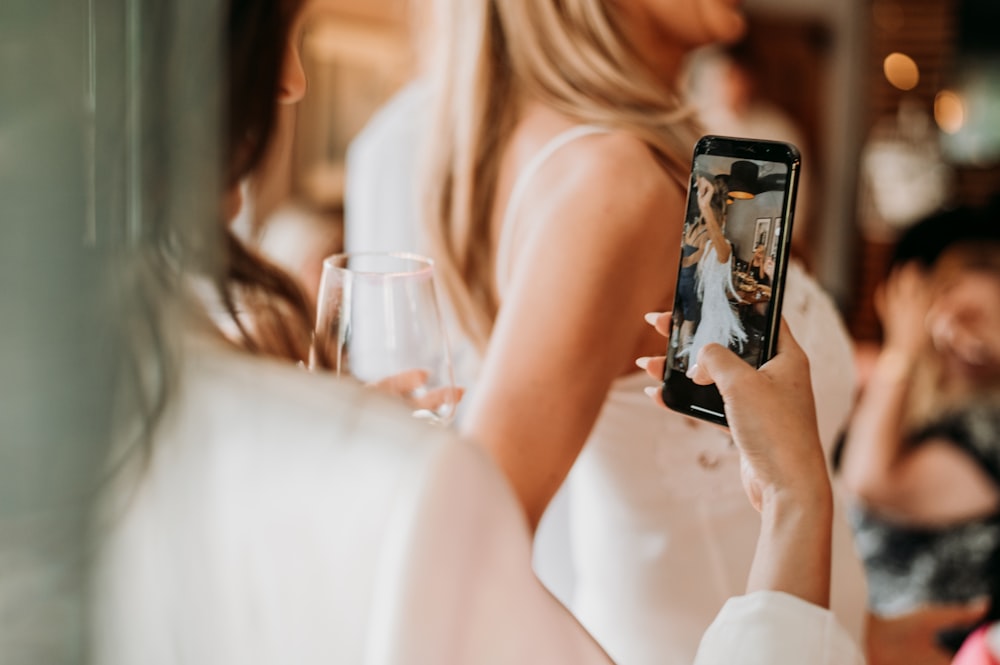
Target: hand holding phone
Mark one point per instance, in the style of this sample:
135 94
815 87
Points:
743 191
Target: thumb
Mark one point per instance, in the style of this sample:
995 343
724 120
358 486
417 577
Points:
717 364
787 344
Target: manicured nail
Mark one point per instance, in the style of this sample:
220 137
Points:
691 371
650 390
643 362
651 317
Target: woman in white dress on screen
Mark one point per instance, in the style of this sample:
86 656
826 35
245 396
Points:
719 323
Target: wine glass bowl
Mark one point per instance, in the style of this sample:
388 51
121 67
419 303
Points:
378 321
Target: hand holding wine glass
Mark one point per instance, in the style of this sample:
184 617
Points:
378 321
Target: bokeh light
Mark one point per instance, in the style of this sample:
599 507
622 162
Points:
901 71
949 111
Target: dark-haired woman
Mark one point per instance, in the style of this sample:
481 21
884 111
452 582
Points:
271 515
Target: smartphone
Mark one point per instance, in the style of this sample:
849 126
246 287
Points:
734 255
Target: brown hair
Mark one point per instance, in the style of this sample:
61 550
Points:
268 306
269 309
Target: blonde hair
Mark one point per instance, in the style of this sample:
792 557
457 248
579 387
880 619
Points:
570 55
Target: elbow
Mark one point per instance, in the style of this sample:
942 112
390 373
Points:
868 486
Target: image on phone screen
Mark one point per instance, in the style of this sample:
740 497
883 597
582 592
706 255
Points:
731 269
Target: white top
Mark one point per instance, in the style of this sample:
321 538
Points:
287 517
662 531
659 529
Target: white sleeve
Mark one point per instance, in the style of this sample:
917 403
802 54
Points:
458 587
773 628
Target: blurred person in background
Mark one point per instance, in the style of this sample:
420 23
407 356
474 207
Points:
921 459
259 513
721 83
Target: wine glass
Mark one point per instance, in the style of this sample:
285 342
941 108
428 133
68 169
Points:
378 321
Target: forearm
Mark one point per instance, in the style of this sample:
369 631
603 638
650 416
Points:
533 452
874 443
714 230
793 550
540 393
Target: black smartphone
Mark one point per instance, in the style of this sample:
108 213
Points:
734 254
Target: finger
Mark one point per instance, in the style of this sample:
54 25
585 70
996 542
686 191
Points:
653 365
402 383
787 344
656 395
717 364
879 302
906 280
699 375
660 321
438 397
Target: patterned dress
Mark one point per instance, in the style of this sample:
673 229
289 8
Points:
907 566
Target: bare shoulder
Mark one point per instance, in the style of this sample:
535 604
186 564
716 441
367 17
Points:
608 174
618 163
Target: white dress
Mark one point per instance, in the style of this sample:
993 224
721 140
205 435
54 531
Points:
661 529
652 532
288 517
719 323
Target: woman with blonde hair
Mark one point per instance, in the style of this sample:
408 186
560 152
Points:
555 191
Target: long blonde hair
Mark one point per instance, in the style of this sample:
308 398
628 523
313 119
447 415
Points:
570 55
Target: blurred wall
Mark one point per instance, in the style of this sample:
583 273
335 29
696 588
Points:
55 369
842 130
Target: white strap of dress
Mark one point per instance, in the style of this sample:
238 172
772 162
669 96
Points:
504 260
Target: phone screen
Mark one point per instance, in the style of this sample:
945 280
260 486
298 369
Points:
734 249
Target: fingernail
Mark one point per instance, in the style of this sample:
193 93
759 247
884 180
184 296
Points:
643 362
650 390
691 370
651 317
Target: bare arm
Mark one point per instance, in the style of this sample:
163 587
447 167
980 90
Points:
599 236
705 191
773 420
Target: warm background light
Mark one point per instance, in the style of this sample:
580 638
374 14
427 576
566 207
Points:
949 111
901 71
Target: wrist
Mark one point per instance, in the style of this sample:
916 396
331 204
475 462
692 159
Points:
795 545
895 363
793 507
